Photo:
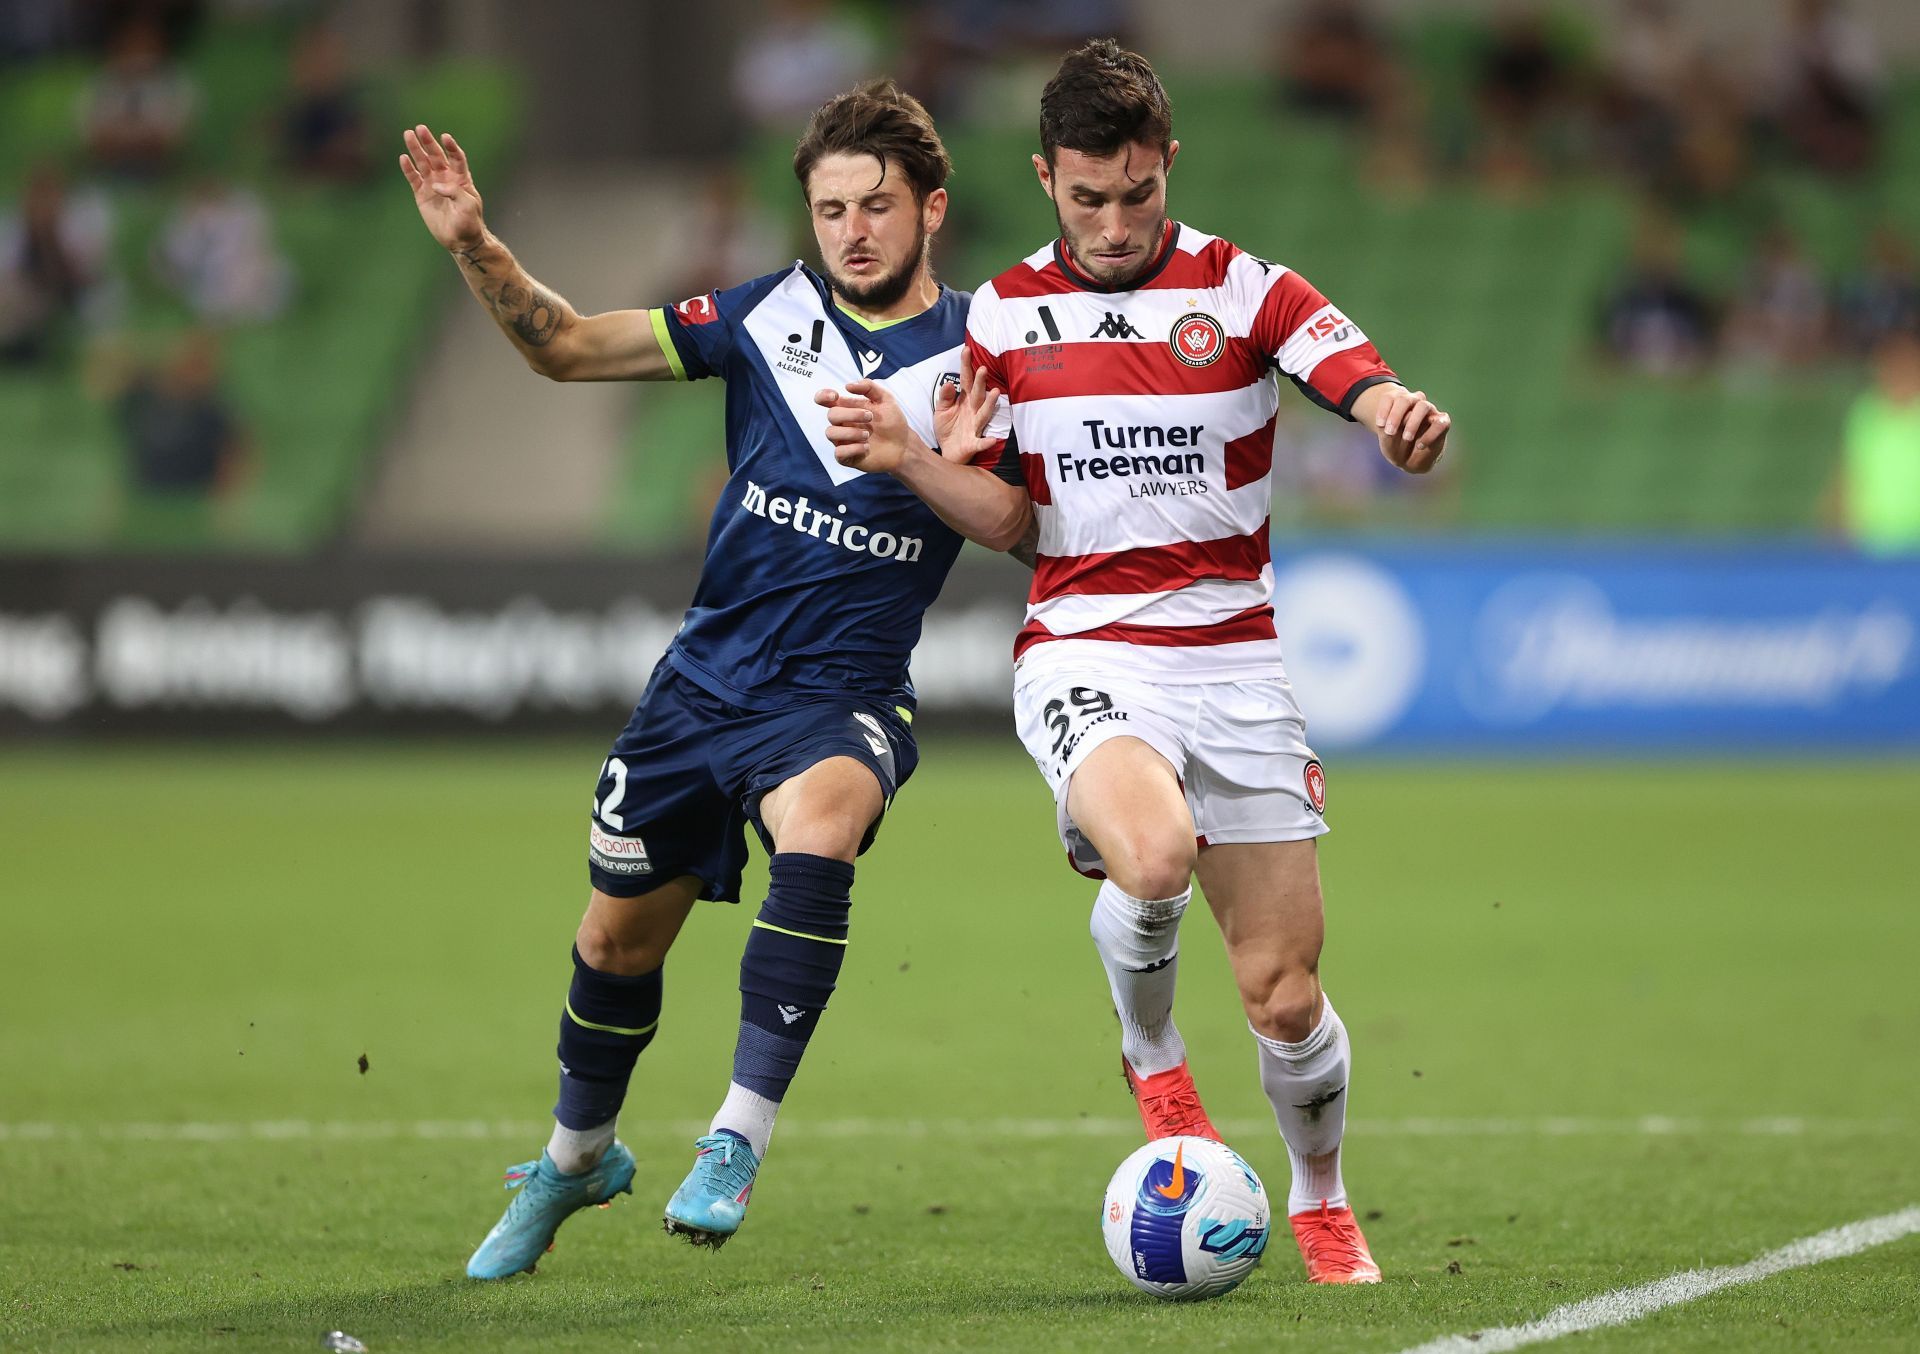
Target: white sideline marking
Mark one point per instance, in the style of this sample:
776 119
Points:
1630 1304
492 1130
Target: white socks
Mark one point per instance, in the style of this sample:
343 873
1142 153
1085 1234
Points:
748 1114
579 1149
1307 1084
751 1116
1139 942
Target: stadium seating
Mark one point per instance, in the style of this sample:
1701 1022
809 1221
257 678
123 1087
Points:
313 387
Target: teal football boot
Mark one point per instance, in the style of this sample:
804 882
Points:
546 1199
711 1201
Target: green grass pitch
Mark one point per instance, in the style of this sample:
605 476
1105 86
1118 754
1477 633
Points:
1533 959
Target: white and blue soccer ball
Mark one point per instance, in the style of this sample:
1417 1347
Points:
1185 1218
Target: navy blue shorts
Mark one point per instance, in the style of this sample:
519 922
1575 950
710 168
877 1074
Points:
687 774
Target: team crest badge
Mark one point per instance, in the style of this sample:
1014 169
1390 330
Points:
947 378
1197 339
1316 780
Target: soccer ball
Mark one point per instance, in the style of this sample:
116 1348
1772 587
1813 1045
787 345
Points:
1185 1218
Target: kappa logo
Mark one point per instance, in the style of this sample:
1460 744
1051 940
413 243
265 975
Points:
791 1013
1115 326
1197 339
876 736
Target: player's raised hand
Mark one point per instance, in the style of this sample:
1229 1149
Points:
443 190
866 425
1412 431
962 412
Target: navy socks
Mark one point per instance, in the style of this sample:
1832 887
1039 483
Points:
608 1019
787 971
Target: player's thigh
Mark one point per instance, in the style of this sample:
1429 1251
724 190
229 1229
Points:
1127 798
658 813
632 935
1066 717
825 810
1266 898
817 776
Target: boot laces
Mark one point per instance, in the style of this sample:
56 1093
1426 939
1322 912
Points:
1334 1239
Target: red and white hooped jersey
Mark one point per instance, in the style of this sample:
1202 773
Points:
1144 420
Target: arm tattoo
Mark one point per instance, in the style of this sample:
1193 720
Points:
533 315
470 258
1024 548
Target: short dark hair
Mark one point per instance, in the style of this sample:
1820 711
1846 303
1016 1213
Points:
1102 98
882 120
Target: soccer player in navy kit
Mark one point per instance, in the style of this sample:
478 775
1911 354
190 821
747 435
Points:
784 701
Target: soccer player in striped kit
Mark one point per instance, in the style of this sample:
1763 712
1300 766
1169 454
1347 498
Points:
1137 358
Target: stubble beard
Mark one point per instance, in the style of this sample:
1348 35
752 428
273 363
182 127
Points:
882 292
1102 273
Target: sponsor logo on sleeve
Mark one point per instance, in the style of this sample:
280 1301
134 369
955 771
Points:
697 310
617 855
1197 339
1333 325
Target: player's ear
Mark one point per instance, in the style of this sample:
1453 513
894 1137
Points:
934 211
1046 174
1173 149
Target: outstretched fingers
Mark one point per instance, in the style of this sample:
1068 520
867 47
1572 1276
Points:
430 147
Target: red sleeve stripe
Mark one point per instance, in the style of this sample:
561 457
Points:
1337 374
1289 303
1151 568
1255 623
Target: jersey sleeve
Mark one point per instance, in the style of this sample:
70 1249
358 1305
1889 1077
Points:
1316 345
987 355
698 335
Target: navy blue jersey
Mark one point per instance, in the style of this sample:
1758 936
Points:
816 575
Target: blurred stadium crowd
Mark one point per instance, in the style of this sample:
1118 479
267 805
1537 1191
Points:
1690 282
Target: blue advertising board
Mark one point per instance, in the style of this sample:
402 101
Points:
1520 647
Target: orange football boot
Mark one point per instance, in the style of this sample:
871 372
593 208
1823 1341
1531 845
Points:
1331 1244
1168 1103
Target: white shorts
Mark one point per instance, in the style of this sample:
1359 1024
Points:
1239 748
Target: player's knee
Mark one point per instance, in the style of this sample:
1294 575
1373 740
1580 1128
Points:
1151 864
612 949
1284 1003
830 832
